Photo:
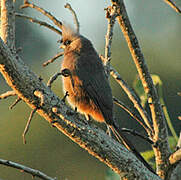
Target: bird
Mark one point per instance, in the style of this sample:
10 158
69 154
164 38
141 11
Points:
88 87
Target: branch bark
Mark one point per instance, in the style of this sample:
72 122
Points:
33 172
24 82
173 5
8 23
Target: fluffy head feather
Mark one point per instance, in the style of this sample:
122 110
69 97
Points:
68 33
74 42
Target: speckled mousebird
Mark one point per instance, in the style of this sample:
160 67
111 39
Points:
88 87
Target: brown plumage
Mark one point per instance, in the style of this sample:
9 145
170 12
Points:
88 88
91 94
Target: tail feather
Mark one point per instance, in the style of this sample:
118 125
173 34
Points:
122 138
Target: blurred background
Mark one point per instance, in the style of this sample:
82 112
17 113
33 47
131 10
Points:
158 29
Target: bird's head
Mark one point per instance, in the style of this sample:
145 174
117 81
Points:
74 42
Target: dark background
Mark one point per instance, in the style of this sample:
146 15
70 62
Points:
158 28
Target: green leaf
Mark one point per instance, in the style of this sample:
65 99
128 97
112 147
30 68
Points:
137 84
172 142
148 155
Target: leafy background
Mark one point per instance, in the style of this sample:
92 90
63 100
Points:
157 27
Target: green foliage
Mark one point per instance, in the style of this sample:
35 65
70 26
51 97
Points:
137 84
143 97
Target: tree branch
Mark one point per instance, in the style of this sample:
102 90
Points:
8 24
7 94
130 112
68 6
24 82
53 59
162 151
33 172
44 12
15 103
111 16
175 157
28 124
173 5
132 96
41 23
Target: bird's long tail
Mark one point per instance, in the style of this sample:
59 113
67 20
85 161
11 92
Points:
122 138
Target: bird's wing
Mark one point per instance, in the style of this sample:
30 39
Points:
90 70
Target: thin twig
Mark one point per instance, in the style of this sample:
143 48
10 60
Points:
132 96
15 103
41 23
33 172
65 72
28 124
173 5
53 59
130 112
135 133
44 12
7 94
53 78
68 6
110 15
175 157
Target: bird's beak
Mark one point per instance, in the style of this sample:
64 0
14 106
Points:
62 46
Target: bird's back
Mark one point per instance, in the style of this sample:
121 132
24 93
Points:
90 91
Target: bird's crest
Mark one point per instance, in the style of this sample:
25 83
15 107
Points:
68 32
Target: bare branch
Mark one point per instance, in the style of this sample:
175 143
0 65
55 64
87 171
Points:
173 5
135 133
28 124
175 157
15 103
132 96
160 130
7 94
110 15
53 59
68 6
33 172
130 112
65 72
52 79
44 12
41 23
8 24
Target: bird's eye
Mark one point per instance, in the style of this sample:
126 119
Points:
60 41
67 42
